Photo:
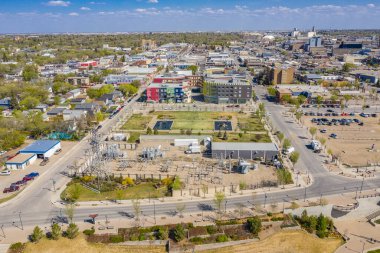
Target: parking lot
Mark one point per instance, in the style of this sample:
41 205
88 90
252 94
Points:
354 139
18 175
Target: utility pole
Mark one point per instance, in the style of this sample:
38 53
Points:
361 187
265 200
53 185
304 196
154 211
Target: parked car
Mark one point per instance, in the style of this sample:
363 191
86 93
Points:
5 173
33 174
20 183
44 161
3 152
374 115
12 188
26 178
57 151
334 136
323 131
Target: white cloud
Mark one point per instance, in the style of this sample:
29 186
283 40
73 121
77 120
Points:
98 3
371 5
73 14
153 1
58 3
85 8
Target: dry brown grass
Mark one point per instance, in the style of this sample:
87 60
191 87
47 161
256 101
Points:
289 241
79 244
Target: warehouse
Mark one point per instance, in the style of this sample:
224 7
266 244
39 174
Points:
20 161
245 150
42 148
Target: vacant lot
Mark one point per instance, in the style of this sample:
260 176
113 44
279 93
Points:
143 190
250 123
137 122
292 241
79 244
353 142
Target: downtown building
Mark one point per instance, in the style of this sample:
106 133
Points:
168 92
231 91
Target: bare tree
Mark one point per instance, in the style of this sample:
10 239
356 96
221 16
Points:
70 210
180 208
137 210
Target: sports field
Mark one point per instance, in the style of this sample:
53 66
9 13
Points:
194 120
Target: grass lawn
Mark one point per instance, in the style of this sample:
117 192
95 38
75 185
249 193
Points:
133 137
143 190
65 245
234 137
294 241
250 124
9 197
377 221
194 120
374 251
137 122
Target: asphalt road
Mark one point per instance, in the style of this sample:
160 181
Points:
36 207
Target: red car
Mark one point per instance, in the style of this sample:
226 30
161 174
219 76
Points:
28 178
12 188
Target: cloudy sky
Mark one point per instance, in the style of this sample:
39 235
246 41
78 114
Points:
44 16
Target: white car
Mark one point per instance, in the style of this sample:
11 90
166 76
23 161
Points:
3 152
5 173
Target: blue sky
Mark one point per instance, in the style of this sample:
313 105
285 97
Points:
48 16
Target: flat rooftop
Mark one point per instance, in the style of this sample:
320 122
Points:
20 158
248 146
40 146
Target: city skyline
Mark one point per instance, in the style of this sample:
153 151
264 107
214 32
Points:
77 16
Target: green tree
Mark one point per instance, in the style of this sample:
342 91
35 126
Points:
29 102
254 225
30 72
219 197
37 234
294 156
286 144
272 91
127 89
99 116
179 233
149 131
193 69
56 231
313 131
72 231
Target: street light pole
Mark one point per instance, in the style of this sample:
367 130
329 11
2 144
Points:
154 211
19 215
361 187
225 206
265 200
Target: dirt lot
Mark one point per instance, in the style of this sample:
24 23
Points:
292 241
16 175
353 142
189 166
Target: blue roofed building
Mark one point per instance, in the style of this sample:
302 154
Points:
42 148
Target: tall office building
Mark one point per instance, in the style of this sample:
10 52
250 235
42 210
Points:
282 75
